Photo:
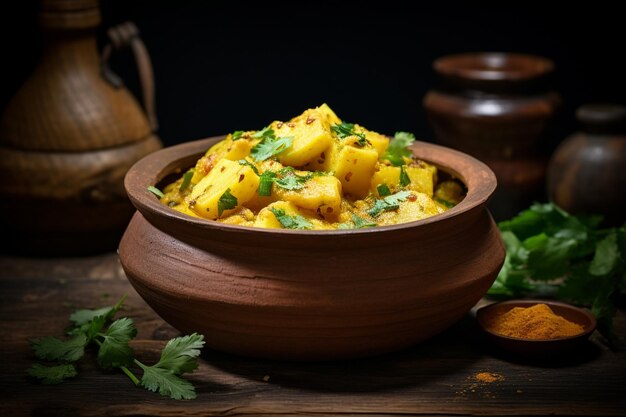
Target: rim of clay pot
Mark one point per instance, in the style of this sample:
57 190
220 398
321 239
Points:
153 168
493 66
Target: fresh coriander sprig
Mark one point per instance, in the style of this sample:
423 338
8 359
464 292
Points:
398 148
90 327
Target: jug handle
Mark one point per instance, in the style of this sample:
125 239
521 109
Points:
123 36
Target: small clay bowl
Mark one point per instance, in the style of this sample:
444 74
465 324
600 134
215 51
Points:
311 295
538 348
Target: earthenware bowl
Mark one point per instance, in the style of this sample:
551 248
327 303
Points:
310 295
538 348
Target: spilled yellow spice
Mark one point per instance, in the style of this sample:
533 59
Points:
488 377
535 322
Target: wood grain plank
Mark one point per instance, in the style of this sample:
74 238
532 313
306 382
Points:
433 378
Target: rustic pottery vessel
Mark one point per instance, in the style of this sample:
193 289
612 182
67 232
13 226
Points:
496 107
310 295
587 172
69 135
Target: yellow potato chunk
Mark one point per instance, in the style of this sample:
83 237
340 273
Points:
354 167
329 115
386 174
416 207
321 194
379 142
449 193
239 180
423 177
311 135
225 149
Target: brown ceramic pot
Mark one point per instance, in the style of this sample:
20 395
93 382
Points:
496 107
587 174
311 295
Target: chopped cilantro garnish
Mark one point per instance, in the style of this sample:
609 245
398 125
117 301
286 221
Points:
186 180
237 134
360 222
404 177
226 202
383 190
444 202
398 148
270 146
266 132
289 180
290 222
345 130
265 183
388 203
156 191
250 164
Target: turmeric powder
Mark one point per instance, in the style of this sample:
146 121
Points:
535 322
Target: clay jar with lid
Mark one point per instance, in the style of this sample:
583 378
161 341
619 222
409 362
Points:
587 172
69 135
496 107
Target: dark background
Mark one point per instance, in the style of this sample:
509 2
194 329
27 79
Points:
225 66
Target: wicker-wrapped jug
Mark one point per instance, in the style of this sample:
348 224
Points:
69 135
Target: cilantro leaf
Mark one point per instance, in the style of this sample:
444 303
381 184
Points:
114 350
54 349
606 256
167 384
178 356
344 130
391 202
548 257
227 201
270 146
266 132
290 222
237 134
289 180
51 375
82 316
398 148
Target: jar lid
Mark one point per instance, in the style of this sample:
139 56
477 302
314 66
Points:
602 117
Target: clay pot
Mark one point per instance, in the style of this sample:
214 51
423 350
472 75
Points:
586 172
310 295
496 107
69 135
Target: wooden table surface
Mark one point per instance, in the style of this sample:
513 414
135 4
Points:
436 377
